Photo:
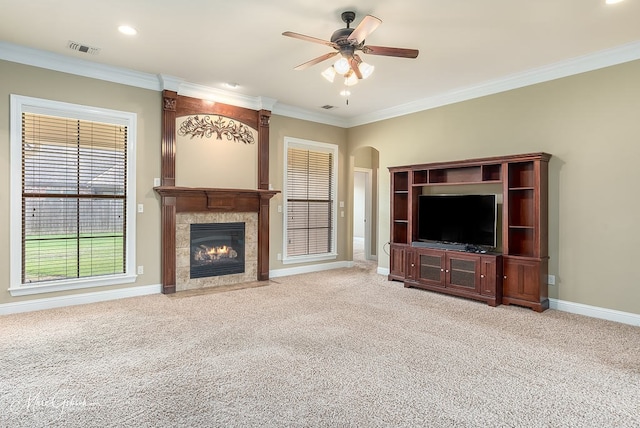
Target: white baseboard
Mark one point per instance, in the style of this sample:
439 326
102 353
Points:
580 309
382 271
77 299
595 312
276 273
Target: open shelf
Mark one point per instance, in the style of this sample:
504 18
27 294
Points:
521 207
399 232
400 208
420 177
401 181
521 241
468 174
492 172
521 175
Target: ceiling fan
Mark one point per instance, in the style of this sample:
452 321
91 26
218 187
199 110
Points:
346 42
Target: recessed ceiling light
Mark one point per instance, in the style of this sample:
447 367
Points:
613 1
230 85
129 31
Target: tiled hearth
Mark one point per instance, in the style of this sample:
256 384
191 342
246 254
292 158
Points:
183 223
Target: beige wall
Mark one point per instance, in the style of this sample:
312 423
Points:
590 123
217 163
279 128
40 83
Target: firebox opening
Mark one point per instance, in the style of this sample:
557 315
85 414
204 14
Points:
217 249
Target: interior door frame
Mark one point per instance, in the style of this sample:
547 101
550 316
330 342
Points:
368 175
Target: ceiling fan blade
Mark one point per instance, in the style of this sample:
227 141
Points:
386 51
309 38
354 66
366 27
315 61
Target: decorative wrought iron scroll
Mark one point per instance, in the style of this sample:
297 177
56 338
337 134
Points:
196 126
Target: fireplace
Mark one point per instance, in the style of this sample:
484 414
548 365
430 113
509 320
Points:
216 249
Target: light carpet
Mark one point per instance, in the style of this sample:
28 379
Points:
343 348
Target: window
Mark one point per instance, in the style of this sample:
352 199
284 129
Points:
72 223
310 200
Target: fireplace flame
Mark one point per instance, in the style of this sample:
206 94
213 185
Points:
208 254
218 250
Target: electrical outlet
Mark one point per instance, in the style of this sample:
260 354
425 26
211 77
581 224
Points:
341 204
140 270
140 208
341 213
279 208
279 256
156 182
551 279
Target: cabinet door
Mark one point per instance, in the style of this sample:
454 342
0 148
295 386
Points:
521 279
410 269
463 272
430 269
397 261
488 275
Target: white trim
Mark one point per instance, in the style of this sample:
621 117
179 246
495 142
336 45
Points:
277 273
218 95
579 308
20 104
606 58
312 116
382 271
368 177
595 312
80 67
317 146
72 284
309 258
77 66
78 299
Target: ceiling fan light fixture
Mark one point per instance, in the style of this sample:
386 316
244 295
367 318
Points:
342 65
366 69
350 79
329 74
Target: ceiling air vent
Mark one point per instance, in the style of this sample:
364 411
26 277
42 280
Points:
79 47
328 107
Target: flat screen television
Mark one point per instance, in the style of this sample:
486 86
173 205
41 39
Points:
460 219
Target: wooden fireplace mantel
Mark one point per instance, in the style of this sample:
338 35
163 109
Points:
188 199
198 199
202 199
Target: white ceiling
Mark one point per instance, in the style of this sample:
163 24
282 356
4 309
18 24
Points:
464 44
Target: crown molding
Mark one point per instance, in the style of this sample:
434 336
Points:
570 67
77 66
81 67
217 95
312 116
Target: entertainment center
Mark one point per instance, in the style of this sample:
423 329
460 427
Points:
514 271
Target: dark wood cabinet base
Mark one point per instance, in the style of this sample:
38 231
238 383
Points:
471 275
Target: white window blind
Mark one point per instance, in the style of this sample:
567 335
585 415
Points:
74 198
310 204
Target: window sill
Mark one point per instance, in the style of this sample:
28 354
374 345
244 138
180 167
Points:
50 287
308 259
